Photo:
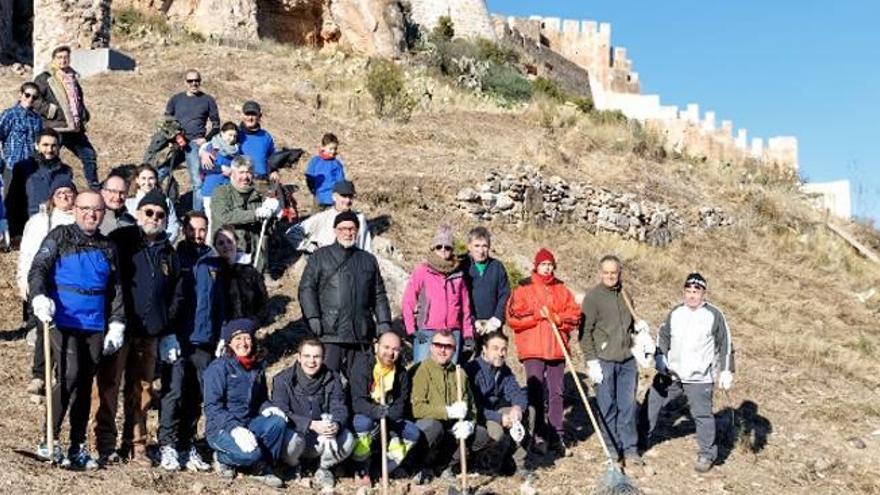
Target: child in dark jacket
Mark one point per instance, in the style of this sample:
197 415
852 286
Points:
324 171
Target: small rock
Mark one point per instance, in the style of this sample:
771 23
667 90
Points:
527 489
856 442
504 202
467 194
197 487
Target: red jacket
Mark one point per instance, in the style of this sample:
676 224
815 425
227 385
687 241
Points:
533 335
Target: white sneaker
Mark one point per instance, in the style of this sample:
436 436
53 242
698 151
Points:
169 460
194 461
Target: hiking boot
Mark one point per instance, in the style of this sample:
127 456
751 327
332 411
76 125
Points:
194 461
448 474
168 458
324 478
140 458
633 459
57 455
560 448
78 459
703 464
111 457
421 477
539 447
362 478
224 470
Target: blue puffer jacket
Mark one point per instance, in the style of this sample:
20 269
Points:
200 302
232 395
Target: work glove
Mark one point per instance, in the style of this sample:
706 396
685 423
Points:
725 380
271 204
114 337
263 213
221 348
274 411
642 326
643 348
462 429
381 411
517 431
457 410
44 308
244 439
594 370
169 349
660 364
493 324
481 327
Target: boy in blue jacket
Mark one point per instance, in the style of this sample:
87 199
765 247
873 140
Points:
324 171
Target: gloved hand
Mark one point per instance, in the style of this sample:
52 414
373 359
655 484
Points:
263 213
114 337
457 410
272 410
725 380
493 324
481 327
315 326
595 371
642 326
462 429
643 347
169 349
221 348
660 364
381 410
517 431
271 204
44 308
244 439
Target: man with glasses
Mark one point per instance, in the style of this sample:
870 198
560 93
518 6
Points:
342 296
192 109
19 127
74 283
114 190
63 108
149 269
317 230
441 417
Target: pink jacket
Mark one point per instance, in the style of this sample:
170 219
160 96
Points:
433 301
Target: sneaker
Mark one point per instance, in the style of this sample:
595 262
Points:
194 461
224 470
324 478
78 459
633 460
526 474
267 477
448 474
703 464
109 458
168 458
57 455
421 477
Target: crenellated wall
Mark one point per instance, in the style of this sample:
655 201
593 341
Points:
470 18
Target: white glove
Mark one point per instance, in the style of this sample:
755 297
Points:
642 326
725 380
660 364
272 410
44 308
595 371
493 324
457 410
221 348
263 213
643 347
517 431
271 204
481 327
114 337
462 429
244 439
169 349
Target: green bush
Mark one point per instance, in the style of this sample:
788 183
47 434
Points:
495 53
609 117
514 275
444 30
584 104
130 21
507 83
550 88
386 85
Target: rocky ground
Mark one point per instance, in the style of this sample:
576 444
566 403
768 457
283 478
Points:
806 396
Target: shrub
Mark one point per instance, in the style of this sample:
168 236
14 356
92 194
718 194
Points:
130 21
609 117
550 88
386 85
495 53
514 275
507 83
584 104
444 30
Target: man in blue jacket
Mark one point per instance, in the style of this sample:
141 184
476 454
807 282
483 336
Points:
487 284
74 282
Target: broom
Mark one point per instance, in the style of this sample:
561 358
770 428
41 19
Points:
613 482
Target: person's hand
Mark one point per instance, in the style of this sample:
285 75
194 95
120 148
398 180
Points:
642 326
594 370
262 213
207 160
517 431
244 439
271 204
221 349
493 324
462 429
643 347
44 308
114 337
481 327
457 410
274 411
725 380
550 316
169 349
515 414
324 428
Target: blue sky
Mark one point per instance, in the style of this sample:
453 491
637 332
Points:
805 68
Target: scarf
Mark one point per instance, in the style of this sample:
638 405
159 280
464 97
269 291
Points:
246 362
67 78
543 279
310 385
325 156
383 380
446 267
222 148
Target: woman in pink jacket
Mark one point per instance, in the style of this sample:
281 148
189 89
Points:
436 298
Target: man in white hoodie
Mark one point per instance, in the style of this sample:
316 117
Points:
694 352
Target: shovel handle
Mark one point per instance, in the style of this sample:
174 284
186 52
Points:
462 446
383 438
47 368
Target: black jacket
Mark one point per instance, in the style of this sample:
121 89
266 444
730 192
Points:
244 292
342 295
53 104
302 407
361 383
149 275
40 174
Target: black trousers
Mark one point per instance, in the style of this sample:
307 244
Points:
341 357
75 355
181 402
441 448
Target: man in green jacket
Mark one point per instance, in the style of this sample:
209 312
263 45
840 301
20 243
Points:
441 417
606 342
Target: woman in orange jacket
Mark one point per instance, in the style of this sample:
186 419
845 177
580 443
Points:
536 345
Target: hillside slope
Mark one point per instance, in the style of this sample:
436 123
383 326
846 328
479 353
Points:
807 348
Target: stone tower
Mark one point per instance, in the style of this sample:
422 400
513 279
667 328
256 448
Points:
76 23
470 17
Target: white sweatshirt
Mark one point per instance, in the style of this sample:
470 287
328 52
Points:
696 343
35 230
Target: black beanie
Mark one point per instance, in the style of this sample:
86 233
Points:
346 216
154 197
61 181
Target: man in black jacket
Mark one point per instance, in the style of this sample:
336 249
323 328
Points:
380 388
342 296
149 269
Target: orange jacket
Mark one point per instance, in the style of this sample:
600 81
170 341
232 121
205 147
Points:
532 333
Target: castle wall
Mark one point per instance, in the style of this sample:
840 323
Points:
470 18
76 23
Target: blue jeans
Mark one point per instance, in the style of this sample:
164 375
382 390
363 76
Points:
78 143
194 167
616 396
422 344
269 432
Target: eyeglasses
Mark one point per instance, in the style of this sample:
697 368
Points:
444 347
63 192
95 209
347 229
150 213
115 191
442 248
194 81
32 96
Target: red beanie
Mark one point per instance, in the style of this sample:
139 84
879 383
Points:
543 255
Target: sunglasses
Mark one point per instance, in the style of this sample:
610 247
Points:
150 213
445 347
194 81
32 96
442 248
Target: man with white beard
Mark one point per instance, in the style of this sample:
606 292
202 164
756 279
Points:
342 296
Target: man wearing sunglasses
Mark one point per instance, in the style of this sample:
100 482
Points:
192 109
149 269
19 127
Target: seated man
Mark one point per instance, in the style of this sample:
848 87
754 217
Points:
235 393
502 404
441 417
313 400
317 231
380 388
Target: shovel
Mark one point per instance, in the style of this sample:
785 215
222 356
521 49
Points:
383 440
47 355
462 446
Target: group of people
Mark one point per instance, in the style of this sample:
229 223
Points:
123 298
